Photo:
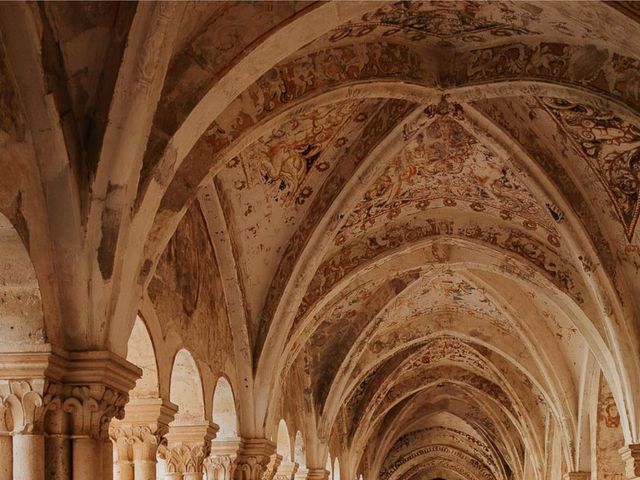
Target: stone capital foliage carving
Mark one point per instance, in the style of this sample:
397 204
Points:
23 404
92 408
251 468
272 467
256 459
135 442
184 458
91 387
220 467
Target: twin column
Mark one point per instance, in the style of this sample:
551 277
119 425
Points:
55 408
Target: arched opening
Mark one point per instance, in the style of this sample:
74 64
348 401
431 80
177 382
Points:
336 469
224 410
186 390
21 315
284 442
141 353
299 451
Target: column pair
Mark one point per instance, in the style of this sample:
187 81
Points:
137 436
56 408
186 448
221 462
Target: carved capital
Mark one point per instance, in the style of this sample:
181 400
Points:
286 471
631 457
317 474
272 467
187 446
134 442
95 389
254 459
138 435
91 408
221 463
220 467
183 458
23 404
92 387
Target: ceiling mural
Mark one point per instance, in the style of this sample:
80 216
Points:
283 160
445 166
446 22
401 236
611 147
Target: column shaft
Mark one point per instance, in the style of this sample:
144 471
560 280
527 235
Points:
145 469
87 459
6 457
57 457
28 457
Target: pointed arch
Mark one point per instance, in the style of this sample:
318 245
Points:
141 352
284 441
224 410
186 389
299 451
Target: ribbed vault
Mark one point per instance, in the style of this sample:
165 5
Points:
405 231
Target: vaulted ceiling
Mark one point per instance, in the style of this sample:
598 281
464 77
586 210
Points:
419 216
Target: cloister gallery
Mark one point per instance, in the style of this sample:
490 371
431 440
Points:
344 240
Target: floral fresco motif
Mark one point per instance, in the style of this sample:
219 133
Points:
611 147
444 21
283 160
445 166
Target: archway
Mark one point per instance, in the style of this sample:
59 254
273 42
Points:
224 410
186 390
283 441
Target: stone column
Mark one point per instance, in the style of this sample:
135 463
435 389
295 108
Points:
70 397
254 458
187 447
27 381
137 436
6 445
221 462
317 474
286 471
631 457
301 474
95 389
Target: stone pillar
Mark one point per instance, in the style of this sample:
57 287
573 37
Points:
25 395
70 397
221 462
301 474
254 458
317 474
95 389
286 471
6 444
137 436
187 447
631 457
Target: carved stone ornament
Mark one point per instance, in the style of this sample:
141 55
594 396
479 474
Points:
183 458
